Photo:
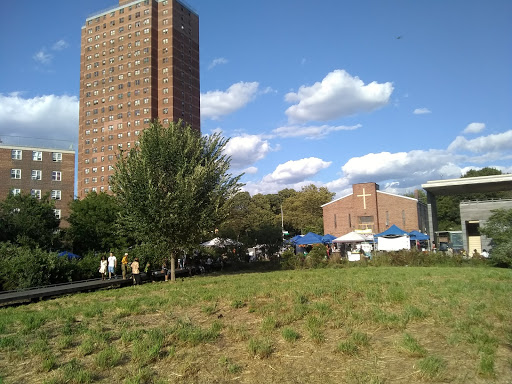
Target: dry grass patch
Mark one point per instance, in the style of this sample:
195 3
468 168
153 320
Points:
355 325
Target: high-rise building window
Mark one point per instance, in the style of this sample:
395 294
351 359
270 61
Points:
57 213
15 191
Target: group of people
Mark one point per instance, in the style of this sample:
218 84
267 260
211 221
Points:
110 265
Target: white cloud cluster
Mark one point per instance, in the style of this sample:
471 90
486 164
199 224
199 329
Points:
45 58
246 150
422 111
337 95
215 104
217 61
311 132
49 116
295 171
474 128
489 145
60 45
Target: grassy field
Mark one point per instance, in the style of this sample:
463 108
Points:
347 325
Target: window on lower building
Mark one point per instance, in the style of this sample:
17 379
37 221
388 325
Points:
15 173
37 155
36 193
57 156
15 191
56 194
37 174
57 176
57 213
16 154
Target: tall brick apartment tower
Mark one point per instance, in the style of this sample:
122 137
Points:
139 61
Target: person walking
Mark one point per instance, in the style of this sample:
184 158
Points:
103 267
136 272
112 265
124 265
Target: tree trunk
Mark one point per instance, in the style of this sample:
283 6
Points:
173 268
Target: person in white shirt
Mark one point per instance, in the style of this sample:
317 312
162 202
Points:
112 265
485 254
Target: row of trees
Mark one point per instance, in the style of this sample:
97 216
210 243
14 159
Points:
171 193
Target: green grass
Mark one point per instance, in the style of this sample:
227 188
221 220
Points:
432 366
352 324
411 346
108 358
262 348
290 335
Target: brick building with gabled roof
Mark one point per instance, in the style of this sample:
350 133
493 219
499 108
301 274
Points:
370 210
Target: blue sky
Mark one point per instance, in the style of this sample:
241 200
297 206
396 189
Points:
327 92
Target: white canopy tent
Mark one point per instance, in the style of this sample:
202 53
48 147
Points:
218 242
351 237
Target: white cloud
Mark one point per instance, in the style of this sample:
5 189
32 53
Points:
215 104
49 116
217 61
60 45
474 128
311 132
337 95
264 187
422 111
295 171
407 167
491 144
246 150
43 57
250 170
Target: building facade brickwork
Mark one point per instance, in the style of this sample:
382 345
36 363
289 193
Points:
139 62
39 171
367 208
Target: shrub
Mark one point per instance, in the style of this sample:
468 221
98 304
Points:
501 255
23 267
316 257
290 260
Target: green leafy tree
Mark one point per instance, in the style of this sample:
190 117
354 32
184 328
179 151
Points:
93 224
24 267
499 228
303 210
25 220
236 225
421 195
174 187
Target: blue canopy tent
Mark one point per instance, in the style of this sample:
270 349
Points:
417 235
328 238
392 232
69 255
393 239
295 238
309 239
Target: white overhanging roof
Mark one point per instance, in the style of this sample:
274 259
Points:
463 185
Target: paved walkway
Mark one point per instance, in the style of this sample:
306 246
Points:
34 294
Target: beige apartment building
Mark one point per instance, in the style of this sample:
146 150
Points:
39 171
139 61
